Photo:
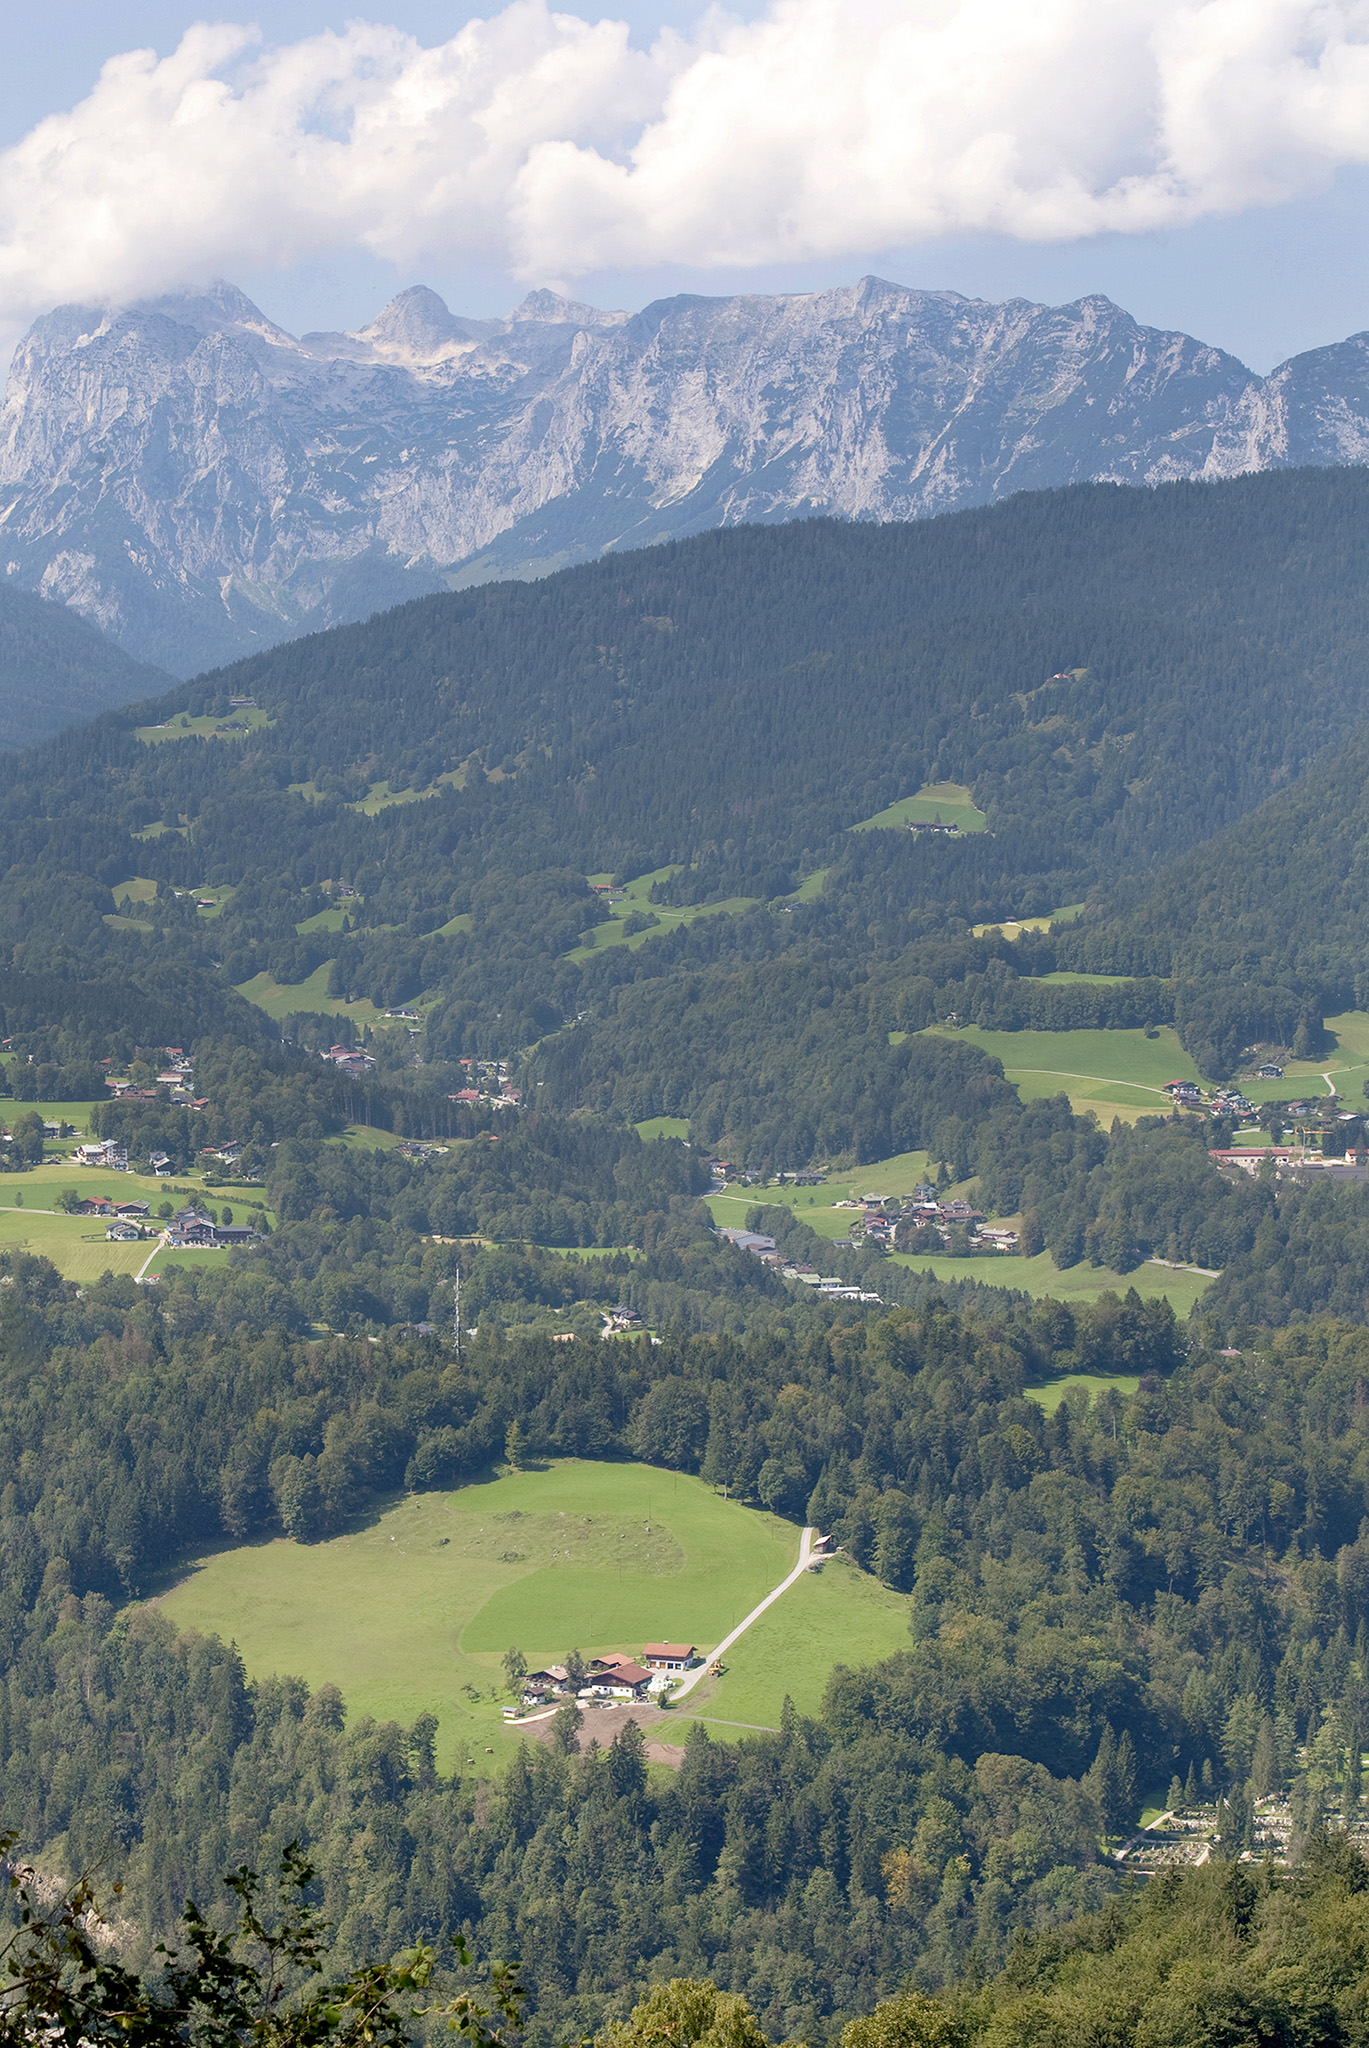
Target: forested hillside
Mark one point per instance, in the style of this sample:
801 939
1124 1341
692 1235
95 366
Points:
589 844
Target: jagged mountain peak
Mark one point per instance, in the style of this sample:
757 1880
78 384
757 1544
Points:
273 485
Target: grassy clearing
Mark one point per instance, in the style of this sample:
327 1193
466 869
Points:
839 1615
663 1127
411 1611
1011 926
898 1175
1041 1277
1111 1073
184 727
1052 1392
279 999
322 921
369 1137
948 801
137 889
380 796
1347 1063
808 891
636 897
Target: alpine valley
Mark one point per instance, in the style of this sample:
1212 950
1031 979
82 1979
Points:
684 1246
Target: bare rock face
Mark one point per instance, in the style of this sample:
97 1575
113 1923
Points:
200 483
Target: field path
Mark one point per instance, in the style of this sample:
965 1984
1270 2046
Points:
805 1557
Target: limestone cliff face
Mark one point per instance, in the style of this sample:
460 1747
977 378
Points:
200 483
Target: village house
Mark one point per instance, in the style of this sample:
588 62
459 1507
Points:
123 1233
670 1656
1269 1072
160 1162
615 1677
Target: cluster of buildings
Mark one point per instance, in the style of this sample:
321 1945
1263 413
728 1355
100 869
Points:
488 1084
175 1082
191 1225
608 1680
349 1059
764 1248
1222 1101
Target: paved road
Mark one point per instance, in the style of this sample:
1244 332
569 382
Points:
688 1683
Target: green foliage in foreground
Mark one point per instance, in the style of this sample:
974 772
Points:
1216 1957
1210 1958
261 1981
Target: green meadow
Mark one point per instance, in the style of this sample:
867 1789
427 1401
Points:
663 1127
898 1175
183 727
949 801
839 1615
1347 1065
1112 1073
1040 1276
1052 1392
411 1611
636 897
279 998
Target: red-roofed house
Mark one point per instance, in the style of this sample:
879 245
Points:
669 1656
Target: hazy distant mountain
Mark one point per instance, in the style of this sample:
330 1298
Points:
200 483
56 669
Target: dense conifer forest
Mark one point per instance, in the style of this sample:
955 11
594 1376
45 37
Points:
1156 702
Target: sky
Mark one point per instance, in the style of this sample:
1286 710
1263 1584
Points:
1205 163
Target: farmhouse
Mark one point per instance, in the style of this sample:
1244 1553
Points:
1269 1072
160 1162
616 1677
1183 1091
123 1233
669 1656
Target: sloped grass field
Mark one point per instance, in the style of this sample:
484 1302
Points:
838 1615
1112 1073
411 1610
948 801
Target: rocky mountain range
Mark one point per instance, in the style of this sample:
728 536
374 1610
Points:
199 483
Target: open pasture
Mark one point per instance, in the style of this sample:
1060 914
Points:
181 726
636 897
1040 1276
663 1127
1345 1067
898 1175
949 801
839 1615
279 999
411 1610
1112 1073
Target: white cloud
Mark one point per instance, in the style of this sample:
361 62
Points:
548 144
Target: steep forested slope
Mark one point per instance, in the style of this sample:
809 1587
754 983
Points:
56 669
1280 896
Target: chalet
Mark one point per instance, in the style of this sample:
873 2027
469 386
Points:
1269 1072
960 1212
1183 1091
670 1656
160 1162
132 1211
95 1205
233 1233
616 1678
1000 1240
192 1226
123 1233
